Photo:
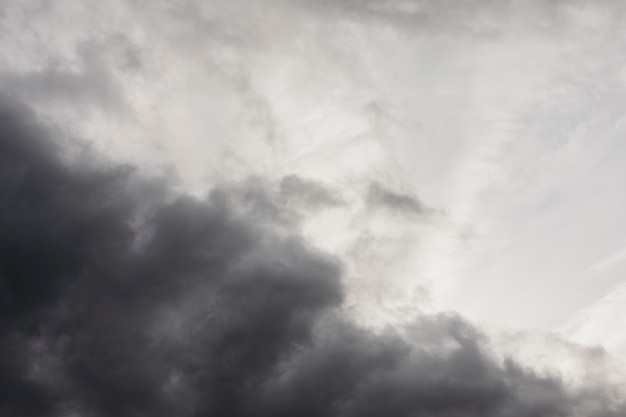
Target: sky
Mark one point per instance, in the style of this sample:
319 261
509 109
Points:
317 208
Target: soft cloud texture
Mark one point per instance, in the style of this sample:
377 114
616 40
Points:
120 298
453 155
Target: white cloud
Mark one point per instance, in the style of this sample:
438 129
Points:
505 116
601 324
611 261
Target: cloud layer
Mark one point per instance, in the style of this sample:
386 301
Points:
450 155
506 116
120 297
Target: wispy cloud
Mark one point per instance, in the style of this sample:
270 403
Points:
610 261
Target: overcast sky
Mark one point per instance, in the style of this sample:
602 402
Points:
393 174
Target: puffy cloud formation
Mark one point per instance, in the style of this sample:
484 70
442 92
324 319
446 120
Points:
120 298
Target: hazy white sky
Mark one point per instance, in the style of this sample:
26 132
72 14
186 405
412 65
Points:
498 124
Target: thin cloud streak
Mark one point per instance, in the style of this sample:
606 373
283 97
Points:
611 261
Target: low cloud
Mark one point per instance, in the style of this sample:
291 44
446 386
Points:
379 196
121 298
89 81
308 193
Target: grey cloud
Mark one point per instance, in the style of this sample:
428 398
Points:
93 82
381 197
308 193
211 313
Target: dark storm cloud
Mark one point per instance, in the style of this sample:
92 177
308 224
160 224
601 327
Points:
379 196
119 299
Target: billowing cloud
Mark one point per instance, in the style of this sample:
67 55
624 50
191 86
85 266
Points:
122 298
449 156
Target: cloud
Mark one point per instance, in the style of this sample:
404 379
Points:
611 261
121 298
379 196
308 193
483 18
600 324
91 84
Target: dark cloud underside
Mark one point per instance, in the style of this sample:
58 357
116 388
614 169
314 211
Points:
117 299
379 196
